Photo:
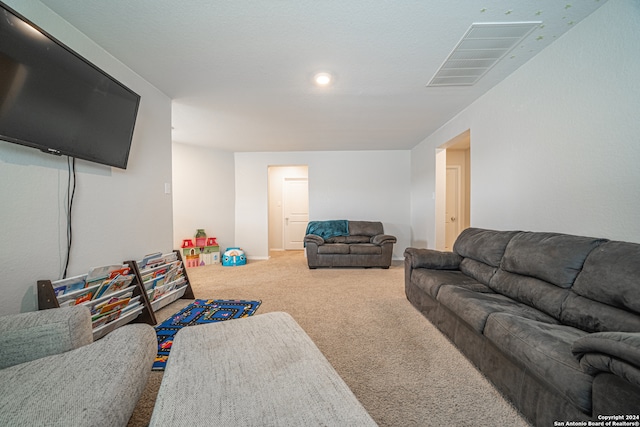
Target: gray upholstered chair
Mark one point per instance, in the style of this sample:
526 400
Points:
53 373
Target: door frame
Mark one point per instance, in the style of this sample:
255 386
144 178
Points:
275 177
459 142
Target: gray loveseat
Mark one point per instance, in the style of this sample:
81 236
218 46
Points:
342 243
553 320
52 373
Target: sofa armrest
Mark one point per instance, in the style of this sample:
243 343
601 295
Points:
429 258
313 238
29 336
381 239
614 352
95 385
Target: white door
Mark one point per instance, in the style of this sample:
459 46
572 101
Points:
295 196
452 212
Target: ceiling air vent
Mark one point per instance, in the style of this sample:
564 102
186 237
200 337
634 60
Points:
481 47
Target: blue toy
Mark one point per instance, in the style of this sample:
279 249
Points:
233 257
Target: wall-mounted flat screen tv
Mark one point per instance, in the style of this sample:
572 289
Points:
54 100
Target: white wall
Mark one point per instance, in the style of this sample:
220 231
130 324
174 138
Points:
203 194
555 146
117 214
362 185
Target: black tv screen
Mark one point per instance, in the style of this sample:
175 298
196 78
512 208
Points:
54 100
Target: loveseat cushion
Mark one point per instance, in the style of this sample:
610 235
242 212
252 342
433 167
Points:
334 248
552 257
430 281
365 228
349 239
365 249
544 350
476 307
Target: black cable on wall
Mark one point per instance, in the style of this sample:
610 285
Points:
71 191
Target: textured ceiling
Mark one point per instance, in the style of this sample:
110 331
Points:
239 72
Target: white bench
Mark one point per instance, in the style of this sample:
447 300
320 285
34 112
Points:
262 370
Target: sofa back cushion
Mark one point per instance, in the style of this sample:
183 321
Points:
485 246
552 257
606 293
530 291
611 275
478 270
349 239
365 228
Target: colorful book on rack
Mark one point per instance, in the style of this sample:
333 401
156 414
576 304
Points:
98 307
115 305
145 261
117 283
102 273
71 284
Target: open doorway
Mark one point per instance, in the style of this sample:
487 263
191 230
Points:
453 185
288 207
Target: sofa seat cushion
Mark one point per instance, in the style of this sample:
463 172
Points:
365 249
334 248
430 281
475 307
545 351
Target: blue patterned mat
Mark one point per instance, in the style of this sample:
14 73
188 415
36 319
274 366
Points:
198 312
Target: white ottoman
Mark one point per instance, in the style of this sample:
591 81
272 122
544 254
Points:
262 370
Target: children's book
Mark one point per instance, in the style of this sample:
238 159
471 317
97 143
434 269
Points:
77 297
60 287
144 262
115 284
101 273
114 305
97 306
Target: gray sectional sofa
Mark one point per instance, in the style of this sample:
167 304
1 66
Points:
553 320
343 243
52 372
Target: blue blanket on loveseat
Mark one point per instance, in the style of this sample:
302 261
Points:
327 229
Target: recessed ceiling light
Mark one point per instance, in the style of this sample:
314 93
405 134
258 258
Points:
322 79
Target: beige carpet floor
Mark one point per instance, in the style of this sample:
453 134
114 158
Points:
402 369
